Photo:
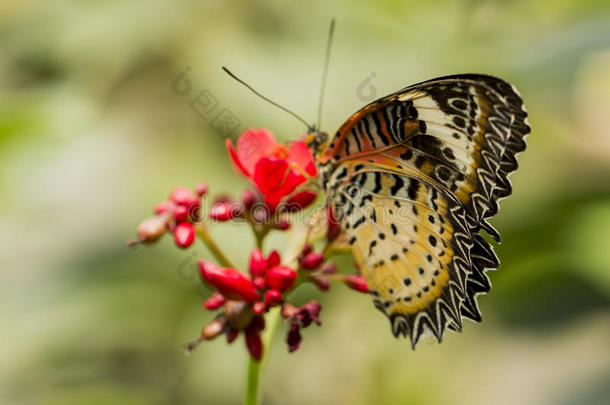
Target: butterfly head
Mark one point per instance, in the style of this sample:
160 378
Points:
316 141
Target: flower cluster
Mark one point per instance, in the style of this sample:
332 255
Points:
279 175
177 215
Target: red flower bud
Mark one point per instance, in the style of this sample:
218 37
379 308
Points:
232 335
301 200
334 229
181 213
356 282
224 211
164 207
258 307
306 249
329 268
322 283
151 229
184 235
183 196
281 277
273 297
293 338
282 224
215 301
259 283
213 329
258 264
229 282
312 260
273 259
288 311
248 199
202 189
260 213
308 313
254 342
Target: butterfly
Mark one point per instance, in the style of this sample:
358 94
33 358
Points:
413 179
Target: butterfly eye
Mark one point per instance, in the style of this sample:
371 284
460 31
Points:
321 137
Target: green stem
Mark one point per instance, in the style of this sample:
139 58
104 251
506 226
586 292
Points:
205 236
254 367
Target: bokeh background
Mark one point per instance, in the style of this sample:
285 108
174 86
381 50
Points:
93 134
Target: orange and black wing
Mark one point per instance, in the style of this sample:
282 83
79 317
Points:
415 177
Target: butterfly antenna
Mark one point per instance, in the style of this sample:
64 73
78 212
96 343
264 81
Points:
325 70
309 126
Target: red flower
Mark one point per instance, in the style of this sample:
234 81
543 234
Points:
275 169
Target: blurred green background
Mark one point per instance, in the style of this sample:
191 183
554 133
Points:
92 135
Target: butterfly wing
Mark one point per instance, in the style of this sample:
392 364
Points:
463 130
414 177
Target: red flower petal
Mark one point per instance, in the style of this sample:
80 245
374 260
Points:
269 174
235 158
252 145
229 282
300 154
293 179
